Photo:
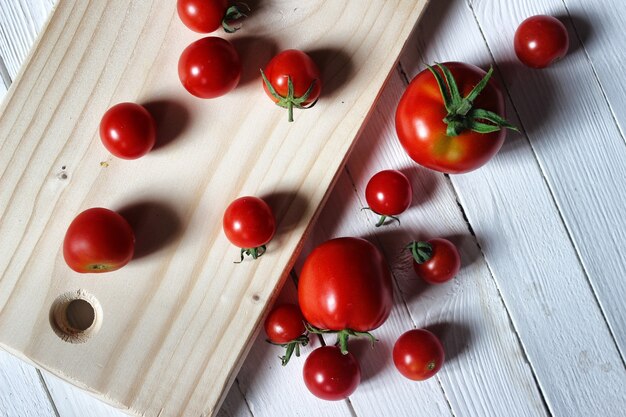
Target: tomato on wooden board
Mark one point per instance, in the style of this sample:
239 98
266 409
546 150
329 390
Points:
540 41
284 326
205 16
345 288
435 261
291 79
98 240
128 130
418 354
330 375
249 224
388 193
209 67
451 118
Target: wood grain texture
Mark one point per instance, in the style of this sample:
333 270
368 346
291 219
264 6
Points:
171 343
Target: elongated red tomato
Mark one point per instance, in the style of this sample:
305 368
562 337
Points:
345 284
445 124
331 375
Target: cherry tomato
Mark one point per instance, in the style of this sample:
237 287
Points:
285 326
345 286
388 193
205 16
418 354
540 41
209 67
330 375
297 68
249 224
443 134
128 130
435 261
98 240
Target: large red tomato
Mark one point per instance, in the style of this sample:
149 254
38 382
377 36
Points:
345 284
458 133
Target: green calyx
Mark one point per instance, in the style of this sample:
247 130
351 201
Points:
421 251
233 14
383 217
291 347
290 100
461 112
253 252
342 336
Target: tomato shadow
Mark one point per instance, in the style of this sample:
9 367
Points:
336 67
372 358
288 208
155 224
468 247
171 117
255 52
424 183
578 30
455 337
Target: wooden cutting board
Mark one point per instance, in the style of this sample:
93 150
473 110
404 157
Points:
164 336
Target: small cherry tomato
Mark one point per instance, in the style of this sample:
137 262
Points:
128 130
249 224
285 326
331 375
418 354
436 260
388 193
98 240
295 68
209 67
541 40
205 16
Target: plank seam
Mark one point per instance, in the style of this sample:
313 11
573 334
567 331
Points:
245 400
4 74
48 393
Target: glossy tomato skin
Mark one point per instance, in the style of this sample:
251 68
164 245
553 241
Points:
249 222
345 284
128 130
389 192
444 264
541 40
300 68
284 324
331 375
98 240
418 354
210 67
202 16
422 131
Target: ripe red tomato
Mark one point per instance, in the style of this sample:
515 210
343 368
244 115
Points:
205 16
418 354
540 41
298 69
285 326
128 130
388 193
209 67
331 375
98 240
443 134
435 261
345 286
249 224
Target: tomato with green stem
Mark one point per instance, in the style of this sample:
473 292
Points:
388 193
249 224
451 118
292 79
418 354
284 326
331 375
205 16
436 260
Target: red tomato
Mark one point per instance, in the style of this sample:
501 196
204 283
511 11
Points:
98 240
435 261
345 284
418 354
205 16
540 41
296 68
128 131
209 67
249 224
331 375
284 324
388 193
444 134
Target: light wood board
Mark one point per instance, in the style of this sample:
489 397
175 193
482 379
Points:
176 322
